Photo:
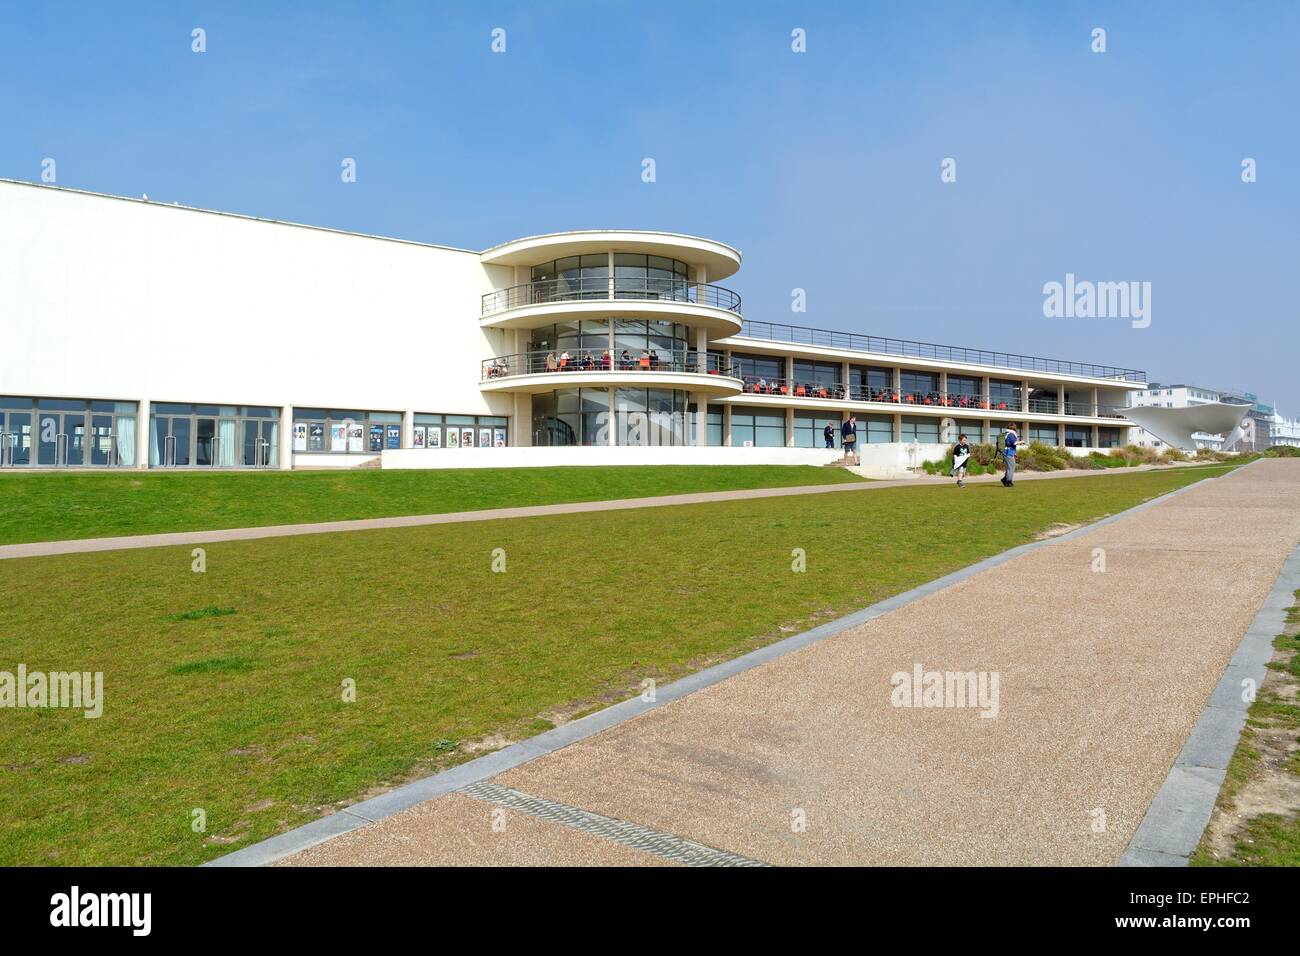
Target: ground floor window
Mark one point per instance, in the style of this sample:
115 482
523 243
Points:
809 429
1078 437
876 429
335 431
183 435
652 416
1047 434
460 431
972 428
1108 437
759 428
715 416
58 432
920 429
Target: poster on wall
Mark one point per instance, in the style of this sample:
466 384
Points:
453 438
299 436
376 437
338 436
435 437
485 438
499 438
356 438
316 436
417 437
393 436
467 438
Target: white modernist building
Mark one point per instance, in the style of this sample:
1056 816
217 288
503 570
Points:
142 334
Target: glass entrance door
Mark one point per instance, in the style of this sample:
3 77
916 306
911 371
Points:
60 439
15 439
173 442
103 449
205 441
259 447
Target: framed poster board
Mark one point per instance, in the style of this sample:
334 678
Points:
467 438
338 437
393 436
453 438
485 438
299 436
356 438
376 437
499 438
434 437
417 437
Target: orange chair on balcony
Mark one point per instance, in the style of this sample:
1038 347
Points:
800 391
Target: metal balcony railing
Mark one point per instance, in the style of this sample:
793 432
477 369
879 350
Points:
604 288
850 341
593 360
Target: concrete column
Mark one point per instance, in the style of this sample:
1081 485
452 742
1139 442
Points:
701 350
943 385
142 434
1024 395
844 378
726 425
701 401
609 268
789 427
986 397
1096 438
898 426
1060 434
613 418
1060 398
789 373
408 429
286 437
521 425
1095 407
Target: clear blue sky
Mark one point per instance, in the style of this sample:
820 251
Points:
823 168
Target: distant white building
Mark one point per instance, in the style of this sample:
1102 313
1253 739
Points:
1284 431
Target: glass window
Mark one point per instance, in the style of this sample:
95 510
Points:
878 428
1004 395
1047 434
1078 437
760 427
918 384
809 428
920 429
1108 437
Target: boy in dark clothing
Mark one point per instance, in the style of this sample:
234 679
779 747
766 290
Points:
960 455
828 433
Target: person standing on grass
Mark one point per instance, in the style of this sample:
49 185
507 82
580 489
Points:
960 455
1009 445
849 439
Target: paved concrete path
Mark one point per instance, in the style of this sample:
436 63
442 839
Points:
37 549
804 760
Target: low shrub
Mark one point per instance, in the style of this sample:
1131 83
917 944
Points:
1283 451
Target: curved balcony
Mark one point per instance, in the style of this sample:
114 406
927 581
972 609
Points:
694 303
543 371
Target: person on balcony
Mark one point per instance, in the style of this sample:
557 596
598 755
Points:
551 364
607 361
565 359
654 360
645 361
625 360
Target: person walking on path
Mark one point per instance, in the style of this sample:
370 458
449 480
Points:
849 439
828 433
960 455
1009 444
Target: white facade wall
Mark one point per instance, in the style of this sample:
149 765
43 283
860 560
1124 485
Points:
117 299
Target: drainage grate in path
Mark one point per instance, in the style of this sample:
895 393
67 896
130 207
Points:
662 844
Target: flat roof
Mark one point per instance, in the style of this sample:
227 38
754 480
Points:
882 345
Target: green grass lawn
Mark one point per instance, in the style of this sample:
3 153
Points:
51 506
1265 754
222 689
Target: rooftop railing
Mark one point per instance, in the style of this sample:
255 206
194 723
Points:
824 338
599 288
